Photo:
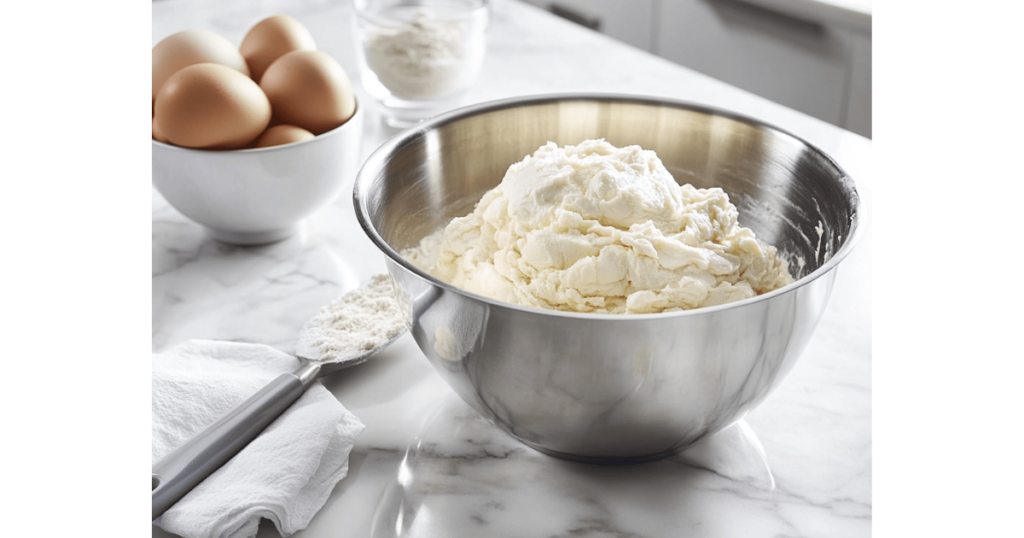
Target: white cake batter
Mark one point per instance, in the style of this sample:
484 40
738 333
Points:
595 228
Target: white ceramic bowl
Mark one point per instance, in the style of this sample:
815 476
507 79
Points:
258 196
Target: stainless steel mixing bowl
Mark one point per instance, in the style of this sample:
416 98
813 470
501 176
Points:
611 388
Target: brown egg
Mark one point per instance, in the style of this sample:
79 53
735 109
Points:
280 135
191 47
272 38
158 135
211 106
310 89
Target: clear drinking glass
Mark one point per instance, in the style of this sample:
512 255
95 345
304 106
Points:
418 57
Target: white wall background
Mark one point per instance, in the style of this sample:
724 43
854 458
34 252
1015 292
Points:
810 55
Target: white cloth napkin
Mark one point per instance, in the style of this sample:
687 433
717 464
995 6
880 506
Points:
285 475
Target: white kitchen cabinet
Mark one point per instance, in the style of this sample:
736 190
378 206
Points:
858 103
628 21
803 63
810 55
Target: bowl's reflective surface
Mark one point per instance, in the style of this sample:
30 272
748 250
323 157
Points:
606 387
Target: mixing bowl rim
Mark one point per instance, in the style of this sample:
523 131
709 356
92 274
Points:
362 183
268 149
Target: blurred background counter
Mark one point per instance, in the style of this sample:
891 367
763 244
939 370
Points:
468 480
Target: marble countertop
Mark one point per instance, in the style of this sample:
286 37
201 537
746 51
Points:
798 465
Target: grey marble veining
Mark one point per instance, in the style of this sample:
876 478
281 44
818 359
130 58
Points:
425 454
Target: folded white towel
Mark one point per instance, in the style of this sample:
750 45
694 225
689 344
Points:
285 475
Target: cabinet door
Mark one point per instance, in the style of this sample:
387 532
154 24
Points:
628 21
797 63
858 102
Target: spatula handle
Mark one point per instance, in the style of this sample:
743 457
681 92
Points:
186 466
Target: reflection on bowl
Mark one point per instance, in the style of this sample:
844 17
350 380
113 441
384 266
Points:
257 196
599 387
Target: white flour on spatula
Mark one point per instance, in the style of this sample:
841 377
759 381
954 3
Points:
356 323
